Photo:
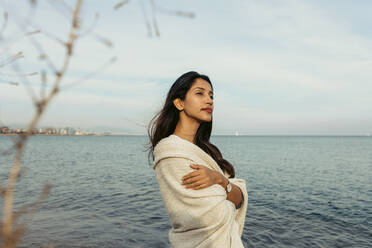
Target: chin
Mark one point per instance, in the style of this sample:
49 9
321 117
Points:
206 120
203 118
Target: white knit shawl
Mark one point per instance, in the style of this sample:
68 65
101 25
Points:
199 218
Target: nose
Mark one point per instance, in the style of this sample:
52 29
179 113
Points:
210 100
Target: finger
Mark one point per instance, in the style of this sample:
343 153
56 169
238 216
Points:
193 185
191 174
190 180
193 179
194 182
195 166
202 186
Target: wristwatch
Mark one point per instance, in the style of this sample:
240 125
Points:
228 187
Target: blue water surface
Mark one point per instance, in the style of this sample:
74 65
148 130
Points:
304 191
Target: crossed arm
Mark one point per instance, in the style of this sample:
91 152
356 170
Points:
204 177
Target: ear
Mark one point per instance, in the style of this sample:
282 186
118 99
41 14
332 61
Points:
178 104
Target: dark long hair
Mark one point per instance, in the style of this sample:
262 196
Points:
164 122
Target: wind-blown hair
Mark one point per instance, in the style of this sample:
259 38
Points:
164 122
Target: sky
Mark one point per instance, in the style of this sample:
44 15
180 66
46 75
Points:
278 67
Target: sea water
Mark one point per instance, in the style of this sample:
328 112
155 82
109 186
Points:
304 191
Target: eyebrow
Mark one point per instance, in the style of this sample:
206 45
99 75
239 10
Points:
203 89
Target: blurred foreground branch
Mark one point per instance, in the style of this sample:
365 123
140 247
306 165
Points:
12 231
151 21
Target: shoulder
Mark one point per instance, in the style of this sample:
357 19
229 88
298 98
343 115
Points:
171 147
172 143
164 142
164 145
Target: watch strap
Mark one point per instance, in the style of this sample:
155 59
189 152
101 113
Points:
229 186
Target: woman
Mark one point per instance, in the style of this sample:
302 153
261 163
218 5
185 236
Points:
206 209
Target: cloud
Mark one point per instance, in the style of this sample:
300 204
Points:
274 65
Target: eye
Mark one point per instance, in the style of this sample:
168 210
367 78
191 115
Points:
212 97
199 93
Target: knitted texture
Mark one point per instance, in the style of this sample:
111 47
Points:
199 218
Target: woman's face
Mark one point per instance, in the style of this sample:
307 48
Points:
198 103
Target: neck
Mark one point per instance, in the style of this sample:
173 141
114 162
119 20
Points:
187 129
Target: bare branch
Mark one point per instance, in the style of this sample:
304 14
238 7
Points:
12 40
61 7
148 25
43 55
44 82
64 5
25 82
4 24
11 59
47 34
86 77
37 46
14 75
92 26
120 4
33 32
95 35
102 39
9 82
154 21
176 12
9 234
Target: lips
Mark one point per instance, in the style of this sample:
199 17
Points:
209 110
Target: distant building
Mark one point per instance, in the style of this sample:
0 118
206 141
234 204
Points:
4 129
50 131
63 131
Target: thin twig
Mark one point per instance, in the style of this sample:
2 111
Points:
25 82
154 21
176 12
13 40
4 24
148 25
38 47
89 75
102 39
63 7
9 82
15 75
43 54
9 235
98 37
121 4
11 59
47 34
91 27
44 82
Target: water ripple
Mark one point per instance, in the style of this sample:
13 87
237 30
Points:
303 191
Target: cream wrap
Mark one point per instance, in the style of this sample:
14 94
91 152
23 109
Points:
199 218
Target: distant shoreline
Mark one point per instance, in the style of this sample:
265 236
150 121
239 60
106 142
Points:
13 134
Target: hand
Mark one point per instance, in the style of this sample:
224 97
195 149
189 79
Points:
203 177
